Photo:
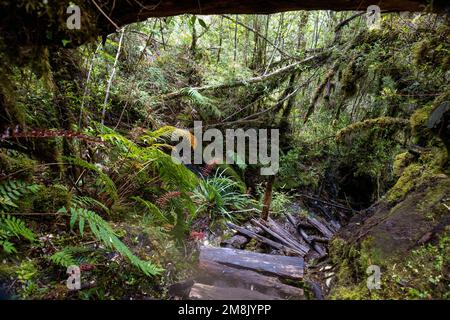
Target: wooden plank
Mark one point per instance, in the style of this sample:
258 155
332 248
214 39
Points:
262 239
280 238
320 226
308 239
281 266
201 291
221 275
282 231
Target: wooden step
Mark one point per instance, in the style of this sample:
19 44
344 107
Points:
201 291
280 266
221 275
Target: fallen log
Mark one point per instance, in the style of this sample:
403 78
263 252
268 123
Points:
273 244
320 226
308 239
283 231
201 291
280 266
284 238
218 275
332 204
237 83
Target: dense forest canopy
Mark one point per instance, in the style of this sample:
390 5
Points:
87 116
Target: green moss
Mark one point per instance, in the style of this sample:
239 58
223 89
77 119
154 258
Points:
430 165
18 164
7 269
401 161
418 121
382 122
48 199
433 205
405 183
350 293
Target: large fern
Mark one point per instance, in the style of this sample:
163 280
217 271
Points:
104 233
11 227
172 173
153 209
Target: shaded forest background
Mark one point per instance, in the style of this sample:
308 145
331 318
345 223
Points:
86 175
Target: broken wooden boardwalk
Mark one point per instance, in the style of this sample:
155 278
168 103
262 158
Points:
231 273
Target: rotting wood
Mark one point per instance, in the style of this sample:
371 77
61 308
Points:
280 266
214 273
320 226
308 239
282 238
201 291
263 239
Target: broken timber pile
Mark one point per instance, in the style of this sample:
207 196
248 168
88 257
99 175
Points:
231 274
310 234
234 274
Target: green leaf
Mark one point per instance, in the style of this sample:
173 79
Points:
202 23
73 217
81 226
65 42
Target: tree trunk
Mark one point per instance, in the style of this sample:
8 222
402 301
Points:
267 198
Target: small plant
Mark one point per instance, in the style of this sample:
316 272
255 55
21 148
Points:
220 195
280 202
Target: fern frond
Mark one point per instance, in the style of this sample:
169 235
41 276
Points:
88 203
152 209
16 227
104 233
63 258
12 190
12 227
206 104
173 174
166 133
104 180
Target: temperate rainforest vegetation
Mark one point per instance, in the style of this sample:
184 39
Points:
94 205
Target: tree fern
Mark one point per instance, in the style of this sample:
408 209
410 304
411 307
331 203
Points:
104 233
